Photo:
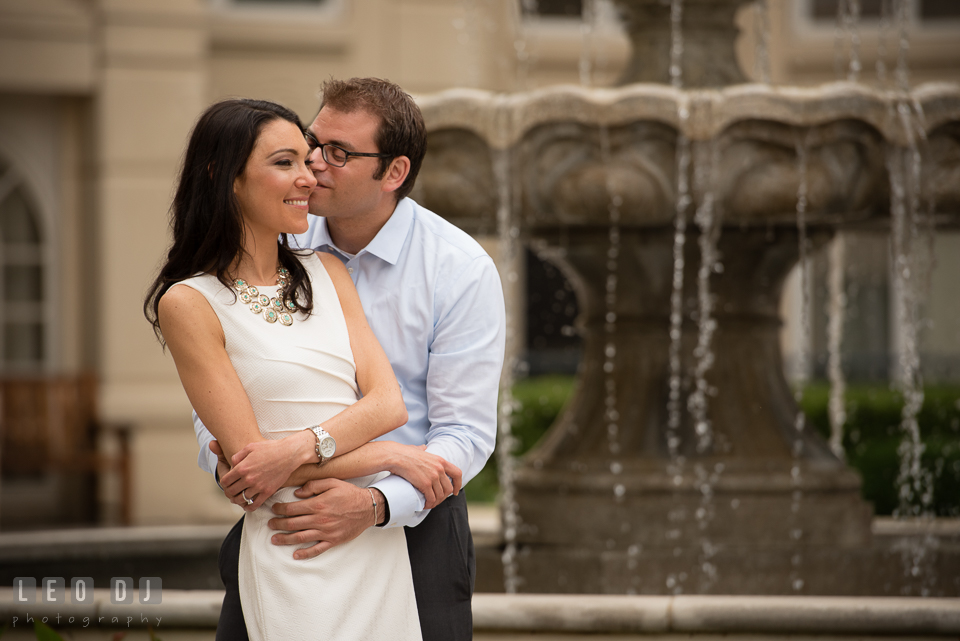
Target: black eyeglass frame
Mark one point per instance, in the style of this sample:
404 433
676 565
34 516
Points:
313 143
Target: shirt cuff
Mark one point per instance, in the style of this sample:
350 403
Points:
405 502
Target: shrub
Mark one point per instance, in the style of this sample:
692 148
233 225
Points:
872 436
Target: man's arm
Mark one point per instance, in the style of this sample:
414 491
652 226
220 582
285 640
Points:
463 381
207 460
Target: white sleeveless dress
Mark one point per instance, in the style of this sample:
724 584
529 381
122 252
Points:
297 376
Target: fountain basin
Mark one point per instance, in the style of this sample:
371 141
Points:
615 497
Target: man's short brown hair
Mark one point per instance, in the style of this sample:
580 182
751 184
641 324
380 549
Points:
401 131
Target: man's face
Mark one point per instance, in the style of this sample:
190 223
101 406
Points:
349 191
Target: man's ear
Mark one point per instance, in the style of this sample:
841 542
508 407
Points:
396 173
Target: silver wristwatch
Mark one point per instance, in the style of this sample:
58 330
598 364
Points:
326 445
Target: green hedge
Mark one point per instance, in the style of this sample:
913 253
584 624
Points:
872 436
871 439
539 401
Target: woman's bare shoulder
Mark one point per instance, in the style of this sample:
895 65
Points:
182 303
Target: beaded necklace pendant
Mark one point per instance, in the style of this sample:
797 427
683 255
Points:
272 309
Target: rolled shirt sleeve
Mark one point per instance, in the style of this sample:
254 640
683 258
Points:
207 460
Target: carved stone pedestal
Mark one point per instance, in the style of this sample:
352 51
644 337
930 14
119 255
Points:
601 492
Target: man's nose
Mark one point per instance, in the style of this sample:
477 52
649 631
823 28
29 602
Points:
316 158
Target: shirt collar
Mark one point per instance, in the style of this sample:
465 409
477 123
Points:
386 245
388 242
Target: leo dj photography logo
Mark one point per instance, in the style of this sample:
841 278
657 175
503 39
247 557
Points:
53 590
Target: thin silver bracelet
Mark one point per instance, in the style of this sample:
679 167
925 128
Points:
373 499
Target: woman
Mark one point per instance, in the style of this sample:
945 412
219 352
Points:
261 380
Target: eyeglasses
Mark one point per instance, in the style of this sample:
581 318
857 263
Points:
336 156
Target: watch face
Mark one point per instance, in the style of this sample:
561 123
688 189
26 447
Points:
328 446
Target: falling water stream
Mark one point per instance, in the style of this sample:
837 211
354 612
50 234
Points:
509 237
707 222
911 245
796 472
848 29
761 58
837 305
848 20
588 28
674 582
707 219
611 411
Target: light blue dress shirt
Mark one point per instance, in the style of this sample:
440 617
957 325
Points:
434 300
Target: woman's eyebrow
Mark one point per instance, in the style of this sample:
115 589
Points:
283 151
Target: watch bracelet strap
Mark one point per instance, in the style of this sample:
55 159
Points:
316 432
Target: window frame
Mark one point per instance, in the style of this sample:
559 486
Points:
40 254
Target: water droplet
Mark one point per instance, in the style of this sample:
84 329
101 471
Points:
619 490
798 585
735 503
616 468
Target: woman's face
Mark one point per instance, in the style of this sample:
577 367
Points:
275 185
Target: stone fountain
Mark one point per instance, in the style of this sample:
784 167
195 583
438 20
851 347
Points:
617 498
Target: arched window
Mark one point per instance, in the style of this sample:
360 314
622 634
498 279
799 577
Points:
22 327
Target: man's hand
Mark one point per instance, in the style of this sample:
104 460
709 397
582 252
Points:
435 477
331 512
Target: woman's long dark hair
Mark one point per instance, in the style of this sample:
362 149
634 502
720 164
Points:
205 214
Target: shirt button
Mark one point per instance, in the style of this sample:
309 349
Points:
349 270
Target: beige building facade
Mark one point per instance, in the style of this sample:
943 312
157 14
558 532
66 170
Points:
97 98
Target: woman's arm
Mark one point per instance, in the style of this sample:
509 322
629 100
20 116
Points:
195 337
380 410
433 476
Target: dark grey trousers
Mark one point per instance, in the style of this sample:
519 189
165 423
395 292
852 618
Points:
444 570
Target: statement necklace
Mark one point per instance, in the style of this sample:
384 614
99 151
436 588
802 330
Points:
272 309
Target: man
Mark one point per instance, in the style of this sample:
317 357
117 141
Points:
433 298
